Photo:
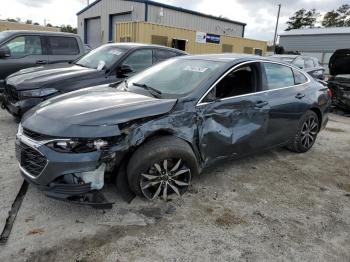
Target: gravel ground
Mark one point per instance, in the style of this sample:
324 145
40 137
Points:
276 206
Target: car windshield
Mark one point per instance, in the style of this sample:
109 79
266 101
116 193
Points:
4 35
101 58
175 77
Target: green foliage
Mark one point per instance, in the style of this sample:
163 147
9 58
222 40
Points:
302 19
337 18
68 29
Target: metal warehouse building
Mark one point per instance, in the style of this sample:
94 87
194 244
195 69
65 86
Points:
97 24
317 42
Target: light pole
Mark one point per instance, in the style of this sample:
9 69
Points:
275 38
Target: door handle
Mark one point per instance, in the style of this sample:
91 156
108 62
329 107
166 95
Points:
41 62
261 104
299 96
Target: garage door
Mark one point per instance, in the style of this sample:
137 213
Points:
125 17
93 32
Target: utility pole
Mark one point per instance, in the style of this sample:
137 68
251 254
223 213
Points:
88 2
275 38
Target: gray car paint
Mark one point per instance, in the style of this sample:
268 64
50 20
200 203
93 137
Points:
224 129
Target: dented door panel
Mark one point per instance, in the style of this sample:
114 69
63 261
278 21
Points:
232 127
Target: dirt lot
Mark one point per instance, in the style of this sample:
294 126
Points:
272 207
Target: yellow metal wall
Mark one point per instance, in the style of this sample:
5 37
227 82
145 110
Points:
4 25
142 32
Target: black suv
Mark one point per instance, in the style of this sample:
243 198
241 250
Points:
23 49
110 63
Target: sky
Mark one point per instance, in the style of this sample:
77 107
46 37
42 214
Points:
260 16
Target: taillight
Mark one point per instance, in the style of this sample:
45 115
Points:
329 93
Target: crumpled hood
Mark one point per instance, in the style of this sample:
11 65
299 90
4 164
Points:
92 112
49 75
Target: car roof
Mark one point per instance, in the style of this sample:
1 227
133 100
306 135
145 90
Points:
140 45
14 32
286 56
227 57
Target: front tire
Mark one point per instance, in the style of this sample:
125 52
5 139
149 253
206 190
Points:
306 134
161 167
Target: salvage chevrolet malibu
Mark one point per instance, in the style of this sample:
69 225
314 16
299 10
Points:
159 129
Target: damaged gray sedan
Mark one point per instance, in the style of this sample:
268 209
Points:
154 132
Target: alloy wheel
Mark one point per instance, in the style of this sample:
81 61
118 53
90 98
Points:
309 132
165 178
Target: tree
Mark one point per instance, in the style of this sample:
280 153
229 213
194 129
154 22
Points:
337 18
36 23
12 20
302 19
29 22
48 25
68 29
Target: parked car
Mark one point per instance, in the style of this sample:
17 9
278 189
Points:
161 127
107 64
310 64
23 49
339 82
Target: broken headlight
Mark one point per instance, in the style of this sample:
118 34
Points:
80 145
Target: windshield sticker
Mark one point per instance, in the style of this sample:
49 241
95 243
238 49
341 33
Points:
115 52
196 69
101 65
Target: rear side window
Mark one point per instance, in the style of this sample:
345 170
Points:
299 78
278 76
63 45
161 55
24 45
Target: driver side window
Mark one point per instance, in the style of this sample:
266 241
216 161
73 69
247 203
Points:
24 45
139 60
241 81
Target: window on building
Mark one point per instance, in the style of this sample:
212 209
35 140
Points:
248 50
24 45
63 45
278 76
227 48
159 40
139 60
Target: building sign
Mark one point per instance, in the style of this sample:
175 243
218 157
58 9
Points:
211 38
201 37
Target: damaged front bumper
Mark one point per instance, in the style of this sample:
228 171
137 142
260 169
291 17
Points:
74 177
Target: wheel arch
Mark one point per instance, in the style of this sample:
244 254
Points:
317 111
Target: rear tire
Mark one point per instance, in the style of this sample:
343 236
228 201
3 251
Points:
161 167
306 134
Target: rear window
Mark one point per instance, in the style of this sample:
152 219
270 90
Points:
63 45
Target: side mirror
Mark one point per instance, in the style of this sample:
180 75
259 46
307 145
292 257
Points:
123 70
5 52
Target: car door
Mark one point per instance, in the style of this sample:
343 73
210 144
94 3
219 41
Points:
25 51
286 97
233 115
62 49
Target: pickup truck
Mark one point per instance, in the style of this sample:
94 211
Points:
23 49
